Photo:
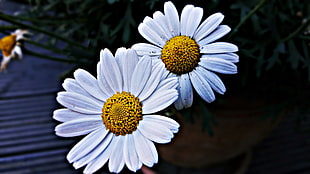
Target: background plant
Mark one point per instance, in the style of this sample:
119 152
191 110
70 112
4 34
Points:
273 37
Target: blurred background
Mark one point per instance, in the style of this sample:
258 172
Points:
269 96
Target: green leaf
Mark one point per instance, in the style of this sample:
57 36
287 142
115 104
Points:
207 118
294 56
274 59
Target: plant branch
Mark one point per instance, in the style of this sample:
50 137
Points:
251 13
52 20
7 27
304 23
10 19
46 47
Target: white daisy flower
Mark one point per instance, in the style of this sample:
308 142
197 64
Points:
116 111
188 51
10 47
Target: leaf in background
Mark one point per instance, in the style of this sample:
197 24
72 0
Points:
111 1
281 48
260 61
294 56
187 114
207 118
151 3
274 59
305 47
244 9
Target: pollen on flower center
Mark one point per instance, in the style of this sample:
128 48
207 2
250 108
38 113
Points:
180 54
121 113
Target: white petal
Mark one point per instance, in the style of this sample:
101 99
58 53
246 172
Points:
162 21
147 49
102 82
218 65
145 149
185 89
116 162
127 62
202 87
102 158
79 103
151 35
153 81
191 20
170 82
111 71
218 47
18 51
178 103
214 81
231 57
87 144
155 28
71 85
185 14
172 17
64 115
130 155
78 127
211 23
4 62
100 150
155 131
119 56
140 75
165 121
219 32
161 97
90 84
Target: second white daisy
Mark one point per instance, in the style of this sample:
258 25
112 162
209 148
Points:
116 111
11 47
187 50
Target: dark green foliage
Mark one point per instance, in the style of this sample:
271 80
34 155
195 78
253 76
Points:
273 36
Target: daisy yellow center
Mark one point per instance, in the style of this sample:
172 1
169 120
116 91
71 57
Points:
7 44
180 54
121 113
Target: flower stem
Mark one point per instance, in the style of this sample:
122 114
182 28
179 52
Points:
46 47
304 23
55 58
304 37
7 27
243 20
10 19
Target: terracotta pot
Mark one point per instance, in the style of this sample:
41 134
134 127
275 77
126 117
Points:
239 127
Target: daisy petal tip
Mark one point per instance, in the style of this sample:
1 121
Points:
69 159
59 134
60 93
101 52
78 72
105 52
211 100
75 166
55 117
169 5
219 15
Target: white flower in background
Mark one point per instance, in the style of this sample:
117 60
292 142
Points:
116 111
10 47
188 51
